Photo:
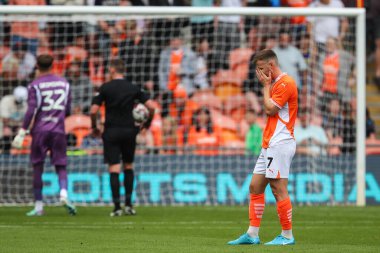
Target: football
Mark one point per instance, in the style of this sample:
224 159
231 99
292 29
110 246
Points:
140 113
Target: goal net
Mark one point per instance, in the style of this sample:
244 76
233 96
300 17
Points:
206 134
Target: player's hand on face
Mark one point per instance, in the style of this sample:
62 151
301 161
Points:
264 79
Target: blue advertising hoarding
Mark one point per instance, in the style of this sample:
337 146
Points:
189 179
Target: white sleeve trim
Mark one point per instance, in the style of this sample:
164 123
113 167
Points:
274 102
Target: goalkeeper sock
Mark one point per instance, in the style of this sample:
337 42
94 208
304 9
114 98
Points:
284 210
256 210
115 188
62 176
128 185
37 181
39 206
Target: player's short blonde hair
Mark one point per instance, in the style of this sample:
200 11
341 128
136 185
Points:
265 55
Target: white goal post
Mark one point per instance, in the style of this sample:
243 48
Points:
360 50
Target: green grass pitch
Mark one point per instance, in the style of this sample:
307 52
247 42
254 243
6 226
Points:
186 229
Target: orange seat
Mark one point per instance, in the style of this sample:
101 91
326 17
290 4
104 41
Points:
235 106
222 121
240 56
226 83
234 102
79 125
233 147
207 99
229 135
239 61
242 71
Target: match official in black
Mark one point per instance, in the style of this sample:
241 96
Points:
120 130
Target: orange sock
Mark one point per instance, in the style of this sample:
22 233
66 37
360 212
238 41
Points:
284 210
256 209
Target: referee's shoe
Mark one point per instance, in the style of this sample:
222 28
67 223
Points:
116 212
128 210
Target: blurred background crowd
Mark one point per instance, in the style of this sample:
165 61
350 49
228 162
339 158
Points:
198 70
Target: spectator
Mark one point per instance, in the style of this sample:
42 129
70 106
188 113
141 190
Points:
25 32
182 108
370 126
227 33
177 66
202 136
333 120
311 139
9 67
305 47
172 136
163 29
26 61
337 66
291 60
80 86
12 110
201 77
96 68
323 27
137 54
253 139
144 141
252 22
298 23
348 131
77 52
373 33
202 27
60 64
110 32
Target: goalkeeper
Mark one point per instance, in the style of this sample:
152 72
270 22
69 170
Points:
119 137
48 104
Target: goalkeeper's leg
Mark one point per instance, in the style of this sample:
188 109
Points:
63 196
37 190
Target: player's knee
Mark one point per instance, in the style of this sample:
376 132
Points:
254 189
377 42
251 189
128 166
114 168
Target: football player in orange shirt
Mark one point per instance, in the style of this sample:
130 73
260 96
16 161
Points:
278 148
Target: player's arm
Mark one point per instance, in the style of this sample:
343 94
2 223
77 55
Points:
270 108
94 116
150 105
96 103
32 107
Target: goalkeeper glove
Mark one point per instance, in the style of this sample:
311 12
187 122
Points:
19 139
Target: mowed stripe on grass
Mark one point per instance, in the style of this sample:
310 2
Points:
186 229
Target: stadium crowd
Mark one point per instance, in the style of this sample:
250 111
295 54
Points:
198 70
